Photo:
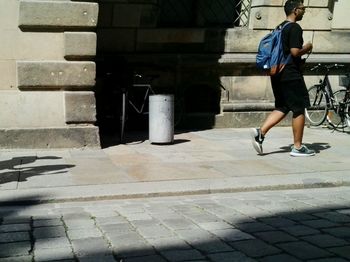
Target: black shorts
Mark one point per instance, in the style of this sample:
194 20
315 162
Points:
290 96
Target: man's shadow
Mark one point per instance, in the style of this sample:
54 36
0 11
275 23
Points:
12 170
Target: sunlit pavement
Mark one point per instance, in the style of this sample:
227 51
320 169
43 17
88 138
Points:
207 197
288 225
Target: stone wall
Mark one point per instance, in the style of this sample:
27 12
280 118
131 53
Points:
48 83
202 58
46 97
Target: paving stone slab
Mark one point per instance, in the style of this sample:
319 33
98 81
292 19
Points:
255 248
14 237
279 258
15 249
90 247
58 253
319 223
274 237
182 255
135 249
325 241
230 256
300 230
304 250
341 251
154 258
51 243
14 228
49 232
341 232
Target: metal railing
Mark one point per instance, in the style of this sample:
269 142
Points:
204 13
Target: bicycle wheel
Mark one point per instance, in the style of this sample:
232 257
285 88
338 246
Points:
316 114
336 116
122 117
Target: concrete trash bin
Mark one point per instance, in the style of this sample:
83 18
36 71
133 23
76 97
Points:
161 119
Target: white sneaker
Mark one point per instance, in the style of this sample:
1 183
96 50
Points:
302 151
257 139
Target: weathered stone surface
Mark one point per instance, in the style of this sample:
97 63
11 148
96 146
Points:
37 13
79 44
341 15
269 17
8 74
31 109
135 15
245 119
116 39
332 42
251 38
66 137
80 107
55 74
8 19
267 3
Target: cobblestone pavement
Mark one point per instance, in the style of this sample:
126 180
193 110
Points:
286 225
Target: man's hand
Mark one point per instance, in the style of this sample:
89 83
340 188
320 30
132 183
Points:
308 47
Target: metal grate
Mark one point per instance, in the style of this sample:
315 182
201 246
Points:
204 13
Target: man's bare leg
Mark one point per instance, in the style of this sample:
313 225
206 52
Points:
273 119
298 124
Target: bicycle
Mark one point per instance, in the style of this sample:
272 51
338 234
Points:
328 105
131 98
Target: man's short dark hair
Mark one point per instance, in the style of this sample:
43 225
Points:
290 5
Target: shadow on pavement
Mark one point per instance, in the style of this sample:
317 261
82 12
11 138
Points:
318 147
18 169
226 230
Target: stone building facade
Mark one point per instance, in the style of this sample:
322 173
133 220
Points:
57 58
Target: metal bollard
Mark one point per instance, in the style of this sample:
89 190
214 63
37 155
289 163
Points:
161 119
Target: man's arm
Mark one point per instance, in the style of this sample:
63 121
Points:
297 52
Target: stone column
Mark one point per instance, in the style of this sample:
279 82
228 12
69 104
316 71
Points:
46 96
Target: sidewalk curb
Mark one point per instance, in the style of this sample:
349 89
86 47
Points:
173 188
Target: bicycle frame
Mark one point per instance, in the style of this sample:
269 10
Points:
326 104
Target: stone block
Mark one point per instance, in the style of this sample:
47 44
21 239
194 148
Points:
32 109
135 15
270 17
28 46
55 75
79 44
116 39
8 15
64 137
256 3
8 74
341 15
80 107
57 14
317 3
171 40
38 46
246 88
332 42
251 38
105 14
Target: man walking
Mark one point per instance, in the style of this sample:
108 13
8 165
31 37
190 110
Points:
288 86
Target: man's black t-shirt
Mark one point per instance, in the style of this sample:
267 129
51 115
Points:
292 37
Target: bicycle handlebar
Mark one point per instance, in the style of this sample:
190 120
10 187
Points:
327 67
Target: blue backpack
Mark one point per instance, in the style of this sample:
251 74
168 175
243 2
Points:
270 57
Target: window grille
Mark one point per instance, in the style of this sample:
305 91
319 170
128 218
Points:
204 13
